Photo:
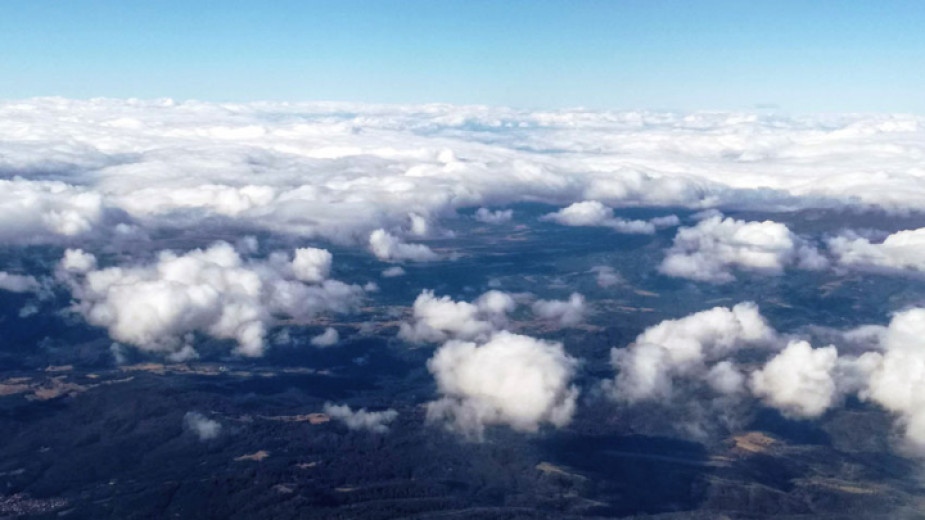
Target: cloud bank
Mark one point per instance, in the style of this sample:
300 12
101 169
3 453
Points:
73 168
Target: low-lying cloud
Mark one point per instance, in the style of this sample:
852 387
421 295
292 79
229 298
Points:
377 422
157 306
203 427
510 379
712 249
591 213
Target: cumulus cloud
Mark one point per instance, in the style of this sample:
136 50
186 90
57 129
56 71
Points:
436 319
204 428
41 211
311 264
510 379
594 214
388 247
901 252
327 338
361 419
77 261
393 272
211 291
693 348
898 376
18 283
799 381
568 313
486 216
709 251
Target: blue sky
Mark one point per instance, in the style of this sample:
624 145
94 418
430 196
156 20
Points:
803 56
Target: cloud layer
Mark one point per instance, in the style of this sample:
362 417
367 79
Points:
70 168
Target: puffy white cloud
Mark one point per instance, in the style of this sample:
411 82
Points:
593 213
420 226
361 419
18 283
510 379
487 216
437 319
710 250
77 261
665 222
726 378
900 252
327 338
39 211
800 380
393 272
685 348
897 378
204 428
387 246
567 312
311 265
213 291
586 213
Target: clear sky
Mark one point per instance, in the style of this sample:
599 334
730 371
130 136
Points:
801 55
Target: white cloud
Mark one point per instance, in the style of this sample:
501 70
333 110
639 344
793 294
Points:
40 211
437 319
420 226
487 216
510 380
212 291
361 419
800 380
311 265
686 348
389 247
18 283
204 428
593 213
587 213
710 250
897 378
393 272
77 261
901 252
327 338
568 313
343 170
